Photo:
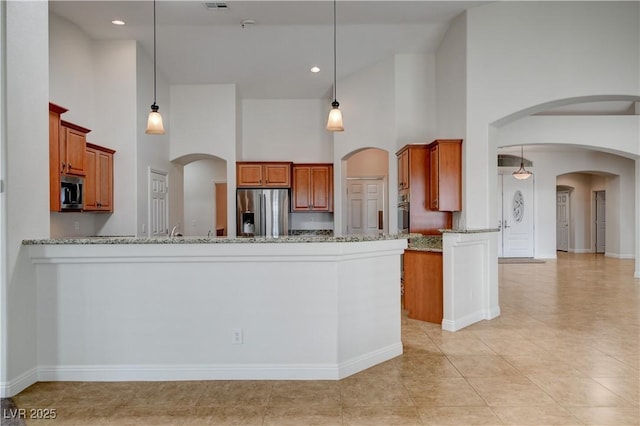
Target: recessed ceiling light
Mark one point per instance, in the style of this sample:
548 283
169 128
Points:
315 69
117 22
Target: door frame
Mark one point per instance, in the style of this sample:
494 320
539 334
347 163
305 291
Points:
595 221
564 190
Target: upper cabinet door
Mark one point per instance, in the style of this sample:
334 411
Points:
312 188
445 177
249 175
277 175
263 175
73 142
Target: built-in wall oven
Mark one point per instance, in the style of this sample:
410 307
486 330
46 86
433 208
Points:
403 217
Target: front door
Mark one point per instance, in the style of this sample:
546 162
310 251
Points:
562 220
365 206
517 217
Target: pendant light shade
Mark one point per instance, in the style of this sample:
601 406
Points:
334 123
154 122
522 173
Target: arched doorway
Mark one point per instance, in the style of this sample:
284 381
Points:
366 192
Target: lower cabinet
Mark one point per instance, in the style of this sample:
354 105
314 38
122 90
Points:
98 184
423 285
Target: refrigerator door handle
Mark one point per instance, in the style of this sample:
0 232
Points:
263 215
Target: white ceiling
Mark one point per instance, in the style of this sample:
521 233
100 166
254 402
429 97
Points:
272 58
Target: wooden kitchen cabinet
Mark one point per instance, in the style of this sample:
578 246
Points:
423 285
54 156
312 188
72 144
98 184
403 169
263 175
445 177
413 172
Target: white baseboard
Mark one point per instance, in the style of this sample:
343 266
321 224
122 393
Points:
355 365
467 320
619 256
115 373
460 323
581 251
20 383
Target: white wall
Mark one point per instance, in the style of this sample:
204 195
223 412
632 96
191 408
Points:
519 58
152 151
286 129
71 85
368 163
415 99
25 205
105 85
617 134
367 101
71 71
451 81
620 189
203 122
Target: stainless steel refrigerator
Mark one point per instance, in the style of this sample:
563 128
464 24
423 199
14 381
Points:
262 212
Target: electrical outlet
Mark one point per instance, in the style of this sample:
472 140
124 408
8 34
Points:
236 336
76 225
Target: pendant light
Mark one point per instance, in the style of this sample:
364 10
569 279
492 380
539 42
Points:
521 173
154 123
334 123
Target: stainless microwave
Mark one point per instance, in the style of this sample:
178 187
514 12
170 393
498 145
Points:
71 192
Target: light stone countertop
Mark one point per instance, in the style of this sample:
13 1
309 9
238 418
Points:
432 243
468 231
216 240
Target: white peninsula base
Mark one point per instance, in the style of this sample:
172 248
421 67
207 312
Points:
233 310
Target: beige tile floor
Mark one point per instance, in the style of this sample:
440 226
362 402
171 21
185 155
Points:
563 352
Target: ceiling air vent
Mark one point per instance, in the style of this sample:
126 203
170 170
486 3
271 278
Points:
214 5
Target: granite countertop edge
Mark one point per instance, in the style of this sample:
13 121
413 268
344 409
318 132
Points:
214 240
468 231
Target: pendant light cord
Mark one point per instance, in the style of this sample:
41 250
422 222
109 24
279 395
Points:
154 52
335 97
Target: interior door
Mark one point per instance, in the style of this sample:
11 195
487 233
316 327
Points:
562 220
158 204
365 206
601 222
517 217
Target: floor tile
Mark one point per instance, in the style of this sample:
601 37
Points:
607 416
536 416
367 416
482 366
458 416
578 391
296 416
293 393
510 391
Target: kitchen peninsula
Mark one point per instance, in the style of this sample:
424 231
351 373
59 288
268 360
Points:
311 307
